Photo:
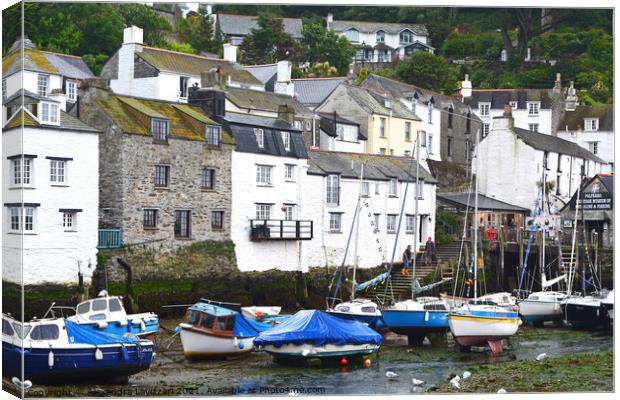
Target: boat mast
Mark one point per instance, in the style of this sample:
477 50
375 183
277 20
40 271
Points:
476 217
357 231
544 214
415 208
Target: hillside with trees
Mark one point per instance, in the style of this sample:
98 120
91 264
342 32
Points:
576 43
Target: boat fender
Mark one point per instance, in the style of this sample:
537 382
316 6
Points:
98 354
241 345
142 326
426 316
102 325
236 342
124 352
50 359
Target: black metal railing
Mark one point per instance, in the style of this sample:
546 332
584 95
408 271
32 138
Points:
280 229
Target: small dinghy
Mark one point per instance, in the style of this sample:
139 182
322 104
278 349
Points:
316 334
107 314
267 314
56 350
211 330
362 310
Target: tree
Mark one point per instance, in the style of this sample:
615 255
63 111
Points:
268 42
199 33
148 19
427 70
322 70
321 45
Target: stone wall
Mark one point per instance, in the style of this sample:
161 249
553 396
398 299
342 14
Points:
458 137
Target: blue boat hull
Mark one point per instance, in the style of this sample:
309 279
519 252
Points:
115 328
74 365
404 322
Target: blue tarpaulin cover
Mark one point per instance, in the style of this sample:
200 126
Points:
245 327
318 328
80 334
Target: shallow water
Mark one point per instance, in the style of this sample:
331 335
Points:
256 374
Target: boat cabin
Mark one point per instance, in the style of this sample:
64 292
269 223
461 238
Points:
358 306
211 318
30 333
101 309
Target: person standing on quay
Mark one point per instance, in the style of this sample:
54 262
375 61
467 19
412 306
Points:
429 249
406 261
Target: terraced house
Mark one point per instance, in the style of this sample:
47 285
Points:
164 169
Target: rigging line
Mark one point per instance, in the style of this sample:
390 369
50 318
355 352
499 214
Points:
458 265
346 250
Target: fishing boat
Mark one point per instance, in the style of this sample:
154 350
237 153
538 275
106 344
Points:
107 314
316 334
211 330
57 350
358 309
479 324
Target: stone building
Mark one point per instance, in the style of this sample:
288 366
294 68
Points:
49 192
164 169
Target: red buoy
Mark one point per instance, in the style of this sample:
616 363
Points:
343 361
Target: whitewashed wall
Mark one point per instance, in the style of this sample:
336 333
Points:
334 144
605 141
433 128
50 254
327 248
263 255
522 119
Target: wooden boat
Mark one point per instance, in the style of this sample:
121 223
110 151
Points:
55 350
317 334
107 314
211 330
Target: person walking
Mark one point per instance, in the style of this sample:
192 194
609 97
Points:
406 261
429 250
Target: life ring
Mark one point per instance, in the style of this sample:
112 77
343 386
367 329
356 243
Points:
490 234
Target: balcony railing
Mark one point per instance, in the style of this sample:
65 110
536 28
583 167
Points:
110 238
280 229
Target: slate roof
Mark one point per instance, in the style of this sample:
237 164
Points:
404 90
267 74
499 97
574 120
266 101
241 126
44 61
328 124
123 110
554 144
371 27
242 25
484 203
67 123
376 167
311 92
606 179
28 97
191 64
374 102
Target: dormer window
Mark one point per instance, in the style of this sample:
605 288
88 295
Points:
514 105
213 135
72 88
591 124
484 109
260 137
183 86
533 108
380 36
406 37
43 84
352 35
414 103
160 128
286 140
49 113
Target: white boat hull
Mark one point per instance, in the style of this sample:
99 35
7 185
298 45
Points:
198 344
538 311
292 351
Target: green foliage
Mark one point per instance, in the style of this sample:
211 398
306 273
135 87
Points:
361 75
95 62
320 45
322 70
481 45
429 71
268 43
198 32
146 18
180 47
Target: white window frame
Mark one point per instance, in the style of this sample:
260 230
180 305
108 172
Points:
429 144
22 172
486 128
514 105
335 222
382 128
390 223
58 172
352 35
430 112
533 108
332 190
213 135
22 213
160 129
286 140
260 137
380 36
407 131
420 189
393 187
591 124
406 37
49 113
263 211
69 221
410 223
264 175
289 172
43 84
289 212
72 90
377 222
593 147
365 189
484 109
533 127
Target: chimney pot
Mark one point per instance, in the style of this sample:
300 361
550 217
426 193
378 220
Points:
230 52
132 34
466 87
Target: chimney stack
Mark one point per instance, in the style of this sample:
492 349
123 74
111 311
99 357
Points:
557 87
286 113
230 52
211 79
283 84
58 95
466 88
132 35
570 104
330 19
